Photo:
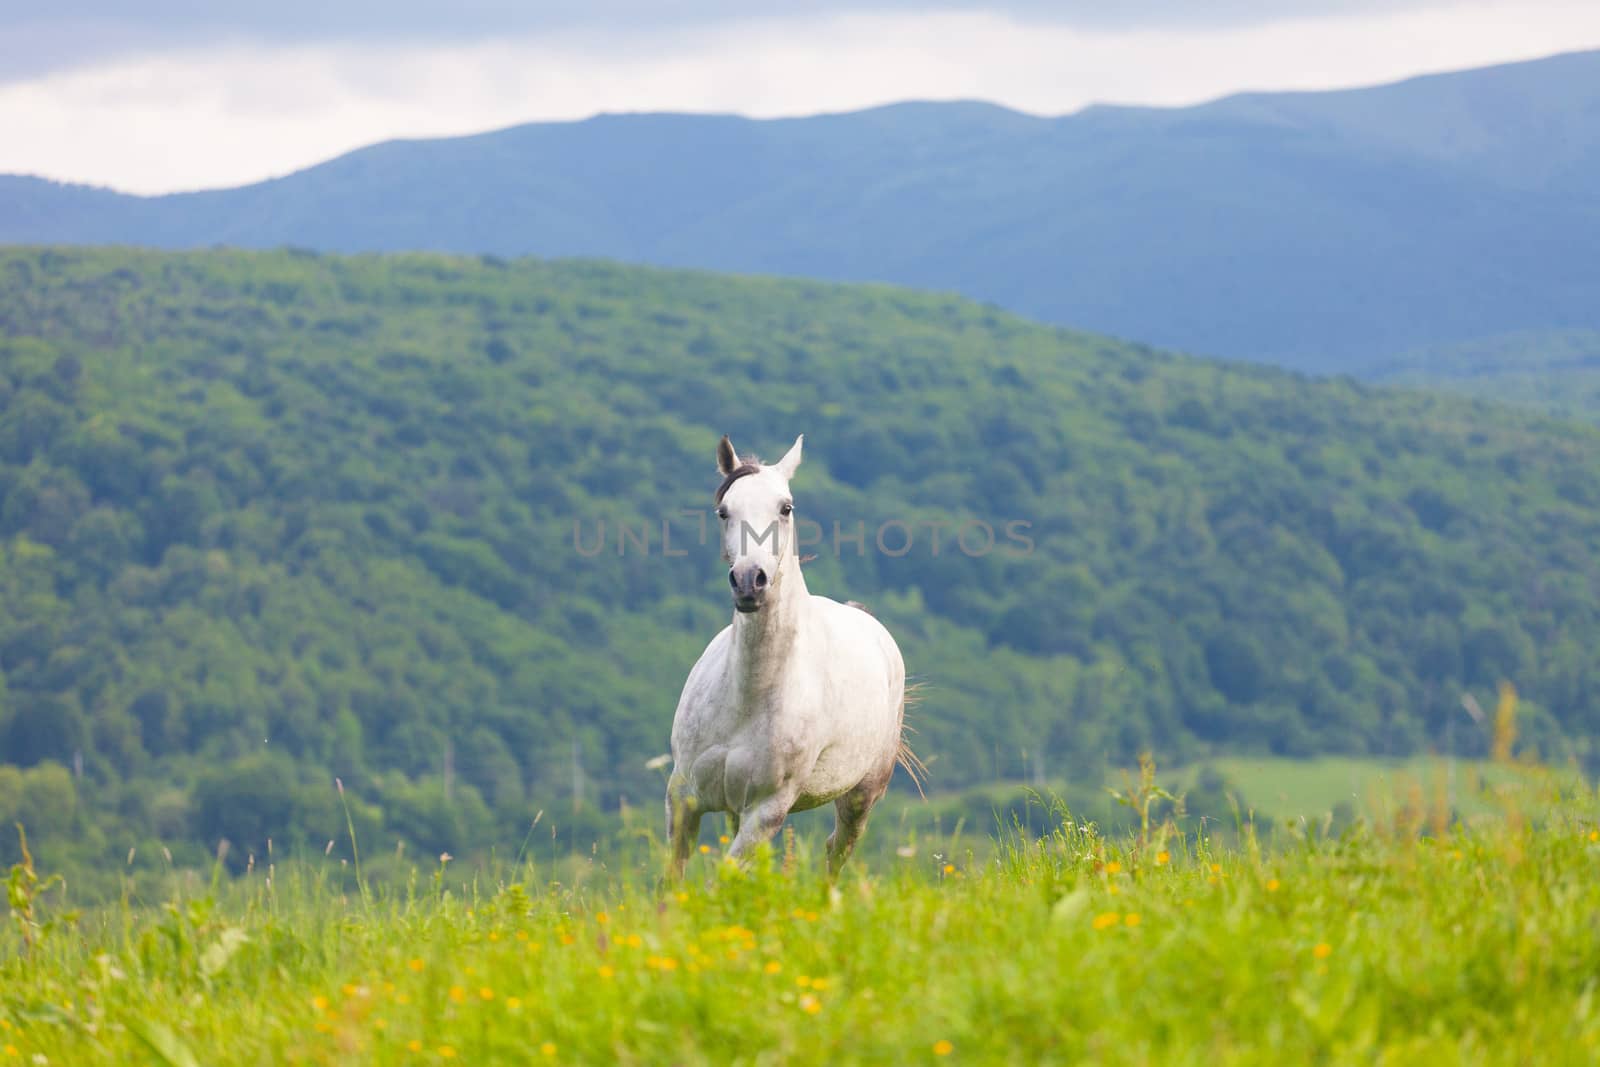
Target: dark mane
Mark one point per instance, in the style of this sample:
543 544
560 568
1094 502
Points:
749 465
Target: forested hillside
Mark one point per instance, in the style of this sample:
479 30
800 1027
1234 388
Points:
268 518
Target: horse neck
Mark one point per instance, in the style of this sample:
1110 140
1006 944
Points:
763 640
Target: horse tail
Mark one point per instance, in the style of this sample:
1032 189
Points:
908 760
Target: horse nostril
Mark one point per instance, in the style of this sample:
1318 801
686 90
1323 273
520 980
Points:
761 579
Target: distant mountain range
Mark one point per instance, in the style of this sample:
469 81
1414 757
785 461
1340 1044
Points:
1325 231
1551 370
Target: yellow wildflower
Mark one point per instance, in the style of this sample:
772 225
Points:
513 1003
320 1003
1163 858
602 918
943 1048
1105 919
1114 867
415 965
810 1004
548 1048
457 994
486 993
1131 919
446 1052
1272 885
414 1045
704 849
773 967
1323 950
606 971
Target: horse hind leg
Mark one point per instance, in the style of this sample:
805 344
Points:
850 819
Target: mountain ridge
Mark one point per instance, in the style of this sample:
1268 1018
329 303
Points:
1322 231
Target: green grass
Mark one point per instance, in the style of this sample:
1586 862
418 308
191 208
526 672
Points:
1265 790
1291 788
1396 942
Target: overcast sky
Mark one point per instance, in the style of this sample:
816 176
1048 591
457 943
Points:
200 93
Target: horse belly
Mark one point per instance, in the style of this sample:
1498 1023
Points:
861 752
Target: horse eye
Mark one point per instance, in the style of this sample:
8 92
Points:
786 509
722 513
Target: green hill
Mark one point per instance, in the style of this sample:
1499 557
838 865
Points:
1557 371
268 518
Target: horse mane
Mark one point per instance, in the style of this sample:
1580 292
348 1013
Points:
747 465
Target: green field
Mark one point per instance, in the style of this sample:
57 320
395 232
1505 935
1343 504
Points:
1400 940
1315 787
1221 794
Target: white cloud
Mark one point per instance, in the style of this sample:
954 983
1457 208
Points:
241 112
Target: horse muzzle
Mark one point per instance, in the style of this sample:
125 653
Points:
750 585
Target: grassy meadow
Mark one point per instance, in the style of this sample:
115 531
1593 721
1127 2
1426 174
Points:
1406 938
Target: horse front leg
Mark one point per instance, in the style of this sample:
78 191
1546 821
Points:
683 825
758 823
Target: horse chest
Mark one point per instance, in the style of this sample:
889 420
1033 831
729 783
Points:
746 765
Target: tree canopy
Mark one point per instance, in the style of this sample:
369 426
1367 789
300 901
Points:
271 517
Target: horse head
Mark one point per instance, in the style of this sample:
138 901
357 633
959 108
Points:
756 512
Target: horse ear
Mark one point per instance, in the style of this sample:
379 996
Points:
791 459
727 458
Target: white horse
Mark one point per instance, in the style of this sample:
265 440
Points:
800 701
